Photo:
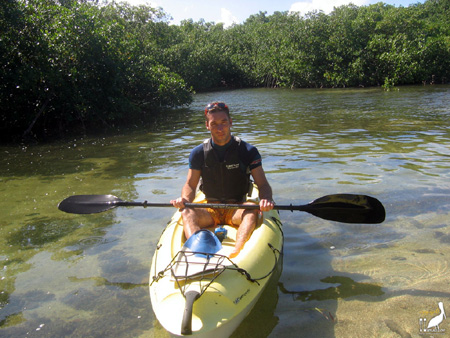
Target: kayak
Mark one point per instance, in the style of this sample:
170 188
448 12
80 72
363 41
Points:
196 289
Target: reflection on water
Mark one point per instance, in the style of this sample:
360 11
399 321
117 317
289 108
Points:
73 275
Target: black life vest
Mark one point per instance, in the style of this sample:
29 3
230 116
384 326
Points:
224 181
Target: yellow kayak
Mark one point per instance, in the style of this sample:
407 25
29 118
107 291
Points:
195 289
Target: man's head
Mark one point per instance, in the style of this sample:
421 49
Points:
218 122
215 107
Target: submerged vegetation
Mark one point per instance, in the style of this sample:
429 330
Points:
72 66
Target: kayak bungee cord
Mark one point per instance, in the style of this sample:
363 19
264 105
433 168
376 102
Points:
218 269
213 271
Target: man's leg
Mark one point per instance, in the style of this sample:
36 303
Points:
246 220
195 219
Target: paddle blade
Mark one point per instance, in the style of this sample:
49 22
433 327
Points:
88 204
347 208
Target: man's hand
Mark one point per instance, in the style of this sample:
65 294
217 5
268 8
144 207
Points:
179 202
266 205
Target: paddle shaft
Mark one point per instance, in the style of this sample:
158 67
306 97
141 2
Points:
145 204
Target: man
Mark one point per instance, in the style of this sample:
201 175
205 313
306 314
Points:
223 163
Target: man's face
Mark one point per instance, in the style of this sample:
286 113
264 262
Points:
219 124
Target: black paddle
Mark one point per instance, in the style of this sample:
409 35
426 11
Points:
346 208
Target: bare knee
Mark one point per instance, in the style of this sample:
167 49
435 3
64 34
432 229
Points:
250 215
187 213
194 220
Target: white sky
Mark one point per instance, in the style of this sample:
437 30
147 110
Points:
238 11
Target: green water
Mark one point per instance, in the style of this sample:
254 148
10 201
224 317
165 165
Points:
87 275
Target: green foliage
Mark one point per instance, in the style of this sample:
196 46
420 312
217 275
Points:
75 65
389 84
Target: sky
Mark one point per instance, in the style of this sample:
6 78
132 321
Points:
237 11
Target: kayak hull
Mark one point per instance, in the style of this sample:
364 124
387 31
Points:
223 290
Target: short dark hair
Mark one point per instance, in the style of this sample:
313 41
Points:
217 106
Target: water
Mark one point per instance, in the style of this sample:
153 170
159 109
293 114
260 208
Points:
87 276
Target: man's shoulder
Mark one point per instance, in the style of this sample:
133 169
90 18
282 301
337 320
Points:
197 149
247 147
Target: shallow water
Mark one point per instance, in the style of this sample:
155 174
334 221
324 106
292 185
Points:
79 276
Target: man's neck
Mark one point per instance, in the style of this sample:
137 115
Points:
221 147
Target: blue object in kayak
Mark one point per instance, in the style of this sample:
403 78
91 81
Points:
221 233
204 242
